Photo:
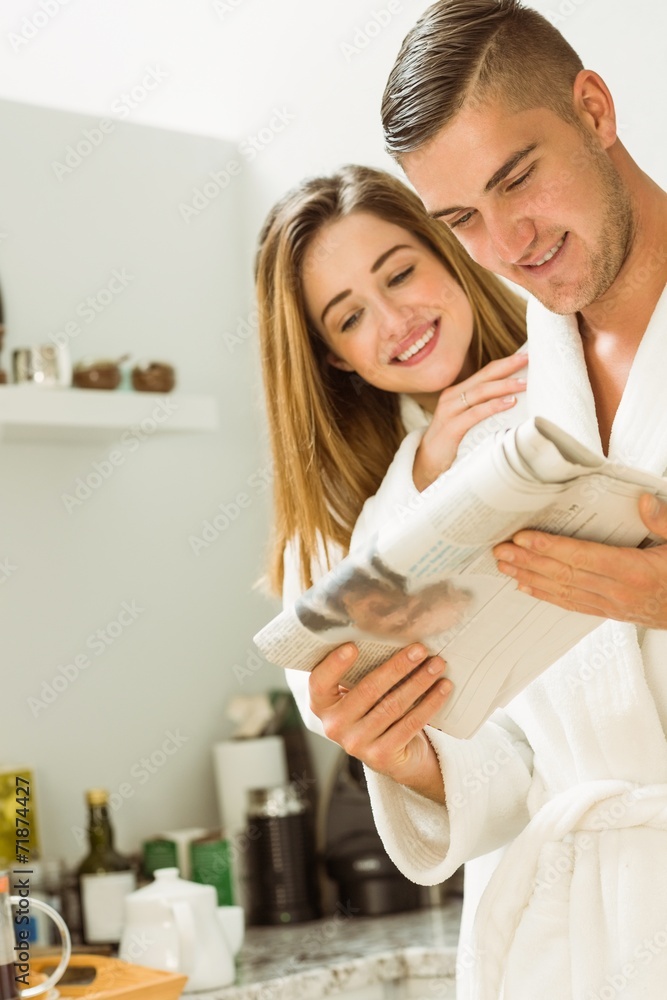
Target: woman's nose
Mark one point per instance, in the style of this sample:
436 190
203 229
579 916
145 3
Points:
393 316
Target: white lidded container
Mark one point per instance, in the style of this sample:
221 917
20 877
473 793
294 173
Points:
172 924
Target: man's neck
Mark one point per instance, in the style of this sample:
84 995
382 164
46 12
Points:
613 326
623 312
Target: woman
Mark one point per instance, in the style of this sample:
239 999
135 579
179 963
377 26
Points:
373 323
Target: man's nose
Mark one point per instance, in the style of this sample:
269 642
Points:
511 236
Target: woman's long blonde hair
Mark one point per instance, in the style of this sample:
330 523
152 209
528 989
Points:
333 436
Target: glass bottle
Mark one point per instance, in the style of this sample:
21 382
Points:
105 876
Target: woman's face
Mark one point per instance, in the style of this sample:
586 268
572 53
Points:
387 307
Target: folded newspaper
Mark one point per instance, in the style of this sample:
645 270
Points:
429 574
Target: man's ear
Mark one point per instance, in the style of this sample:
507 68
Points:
337 362
595 106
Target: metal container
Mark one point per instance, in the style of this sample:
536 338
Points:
282 865
41 365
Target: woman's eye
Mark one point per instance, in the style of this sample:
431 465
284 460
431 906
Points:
398 278
351 321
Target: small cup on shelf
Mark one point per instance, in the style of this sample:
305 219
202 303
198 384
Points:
89 374
153 376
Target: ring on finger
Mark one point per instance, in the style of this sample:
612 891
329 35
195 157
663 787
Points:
465 401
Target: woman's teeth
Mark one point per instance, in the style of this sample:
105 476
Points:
549 254
417 346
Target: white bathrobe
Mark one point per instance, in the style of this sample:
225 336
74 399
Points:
572 774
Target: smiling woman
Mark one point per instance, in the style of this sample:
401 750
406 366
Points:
400 306
368 306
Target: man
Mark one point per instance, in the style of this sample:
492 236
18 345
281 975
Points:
512 143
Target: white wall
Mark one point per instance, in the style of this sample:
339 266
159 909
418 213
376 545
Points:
315 71
86 708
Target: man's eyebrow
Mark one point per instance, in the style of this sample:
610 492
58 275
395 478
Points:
376 267
508 166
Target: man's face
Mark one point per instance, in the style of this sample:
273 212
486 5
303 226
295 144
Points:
531 197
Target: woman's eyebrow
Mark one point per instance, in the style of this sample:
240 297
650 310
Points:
376 266
383 256
334 302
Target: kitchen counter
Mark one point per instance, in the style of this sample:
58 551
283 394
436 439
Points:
348 955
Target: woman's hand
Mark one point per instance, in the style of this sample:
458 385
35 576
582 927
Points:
461 406
380 721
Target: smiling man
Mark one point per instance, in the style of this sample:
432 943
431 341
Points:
513 144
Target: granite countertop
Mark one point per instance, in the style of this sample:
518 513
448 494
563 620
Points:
343 952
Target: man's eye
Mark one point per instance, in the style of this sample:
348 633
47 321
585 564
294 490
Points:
462 221
520 180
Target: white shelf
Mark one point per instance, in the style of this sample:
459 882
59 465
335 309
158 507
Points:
38 414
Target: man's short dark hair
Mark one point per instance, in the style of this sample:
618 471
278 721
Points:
474 51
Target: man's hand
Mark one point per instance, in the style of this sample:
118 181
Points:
379 720
628 585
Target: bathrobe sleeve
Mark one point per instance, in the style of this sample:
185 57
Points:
396 495
487 779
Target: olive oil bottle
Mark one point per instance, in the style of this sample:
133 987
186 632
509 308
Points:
105 876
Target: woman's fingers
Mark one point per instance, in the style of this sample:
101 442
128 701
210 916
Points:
491 390
325 678
381 720
482 392
380 699
497 380
379 705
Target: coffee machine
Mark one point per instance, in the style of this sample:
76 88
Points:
367 879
